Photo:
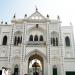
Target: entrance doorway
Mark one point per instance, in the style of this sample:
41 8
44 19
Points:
16 70
54 70
35 65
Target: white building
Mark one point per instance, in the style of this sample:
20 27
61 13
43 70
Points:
37 45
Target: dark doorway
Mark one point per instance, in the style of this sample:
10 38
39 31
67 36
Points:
54 71
15 71
35 73
0 72
70 73
5 40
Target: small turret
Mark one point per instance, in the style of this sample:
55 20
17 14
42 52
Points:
58 17
1 22
5 22
36 8
14 16
47 16
25 16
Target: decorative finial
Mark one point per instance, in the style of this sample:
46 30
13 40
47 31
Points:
14 16
36 8
25 15
71 23
58 17
5 22
47 16
1 22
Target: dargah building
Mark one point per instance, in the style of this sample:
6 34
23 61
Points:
36 45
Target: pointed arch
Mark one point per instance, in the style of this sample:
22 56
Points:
35 38
31 38
16 66
17 38
4 40
54 38
41 38
67 41
18 41
53 41
56 41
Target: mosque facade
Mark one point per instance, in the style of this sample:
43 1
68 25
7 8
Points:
37 45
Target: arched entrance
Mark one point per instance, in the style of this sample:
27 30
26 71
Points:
54 70
35 65
16 70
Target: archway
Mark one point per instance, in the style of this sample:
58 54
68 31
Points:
35 65
54 70
16 70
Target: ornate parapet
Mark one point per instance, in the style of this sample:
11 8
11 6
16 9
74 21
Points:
36 43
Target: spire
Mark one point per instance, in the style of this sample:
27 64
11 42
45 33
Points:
58 17
36 8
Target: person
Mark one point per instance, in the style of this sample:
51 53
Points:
4 71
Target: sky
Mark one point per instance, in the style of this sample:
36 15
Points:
64 8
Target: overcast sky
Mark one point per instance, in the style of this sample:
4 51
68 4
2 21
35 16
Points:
64 8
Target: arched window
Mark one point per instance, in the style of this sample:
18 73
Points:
18 40
4 40
56 41
54 38
53 41
67 41
31 38
36 38
41 38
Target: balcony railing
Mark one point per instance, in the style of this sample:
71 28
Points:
36 43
